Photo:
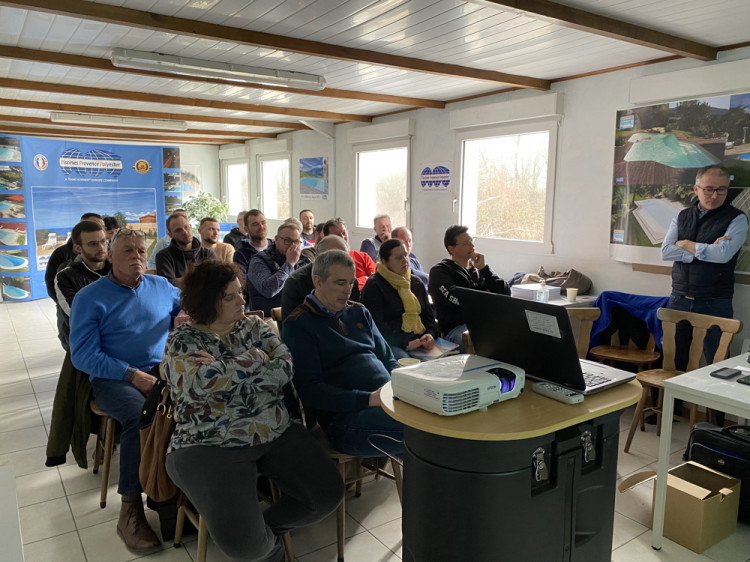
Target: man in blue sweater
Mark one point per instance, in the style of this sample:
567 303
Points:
119 325
341 361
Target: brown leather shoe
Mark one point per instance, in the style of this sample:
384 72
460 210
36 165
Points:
134 529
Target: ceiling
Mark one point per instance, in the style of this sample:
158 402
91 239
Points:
377 56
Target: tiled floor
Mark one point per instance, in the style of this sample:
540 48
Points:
59 507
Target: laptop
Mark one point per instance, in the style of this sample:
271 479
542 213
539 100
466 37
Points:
536 337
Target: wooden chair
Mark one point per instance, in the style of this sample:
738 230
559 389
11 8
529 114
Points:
105 443
185 511
586 318
276 315
655 378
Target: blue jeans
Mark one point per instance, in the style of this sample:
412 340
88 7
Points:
684 332
456 336
399 352
349 432
123 402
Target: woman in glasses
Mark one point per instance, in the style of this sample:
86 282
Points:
226 374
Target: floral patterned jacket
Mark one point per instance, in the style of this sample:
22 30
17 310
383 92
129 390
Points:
237 399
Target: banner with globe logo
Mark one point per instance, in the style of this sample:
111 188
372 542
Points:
47 184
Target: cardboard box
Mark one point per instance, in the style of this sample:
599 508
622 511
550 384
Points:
702 504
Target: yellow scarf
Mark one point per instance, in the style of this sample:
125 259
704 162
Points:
411 323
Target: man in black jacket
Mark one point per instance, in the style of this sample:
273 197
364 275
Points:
464 268
237 233
172 262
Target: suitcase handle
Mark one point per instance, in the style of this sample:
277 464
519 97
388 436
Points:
734 431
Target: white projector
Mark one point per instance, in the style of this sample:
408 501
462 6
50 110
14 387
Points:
457 384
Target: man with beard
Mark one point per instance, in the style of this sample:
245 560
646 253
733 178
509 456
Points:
307 219
362 262
270 268
235 236
119 325
256 241
209 231
172 262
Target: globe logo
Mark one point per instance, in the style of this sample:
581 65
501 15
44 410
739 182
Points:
96 162
435 177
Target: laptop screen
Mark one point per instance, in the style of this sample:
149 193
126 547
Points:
534 336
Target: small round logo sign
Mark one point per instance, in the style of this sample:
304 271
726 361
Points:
41 162
142 166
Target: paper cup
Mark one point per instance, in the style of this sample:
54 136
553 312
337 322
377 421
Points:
571 294
408 361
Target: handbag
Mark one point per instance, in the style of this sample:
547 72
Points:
156 426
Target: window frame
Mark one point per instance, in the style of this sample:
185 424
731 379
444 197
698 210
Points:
548 124
373 146
225 163
269 157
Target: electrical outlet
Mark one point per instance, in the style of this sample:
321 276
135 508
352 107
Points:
745 345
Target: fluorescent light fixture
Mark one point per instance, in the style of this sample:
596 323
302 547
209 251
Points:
141 60
113 120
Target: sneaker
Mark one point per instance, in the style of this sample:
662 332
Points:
134 530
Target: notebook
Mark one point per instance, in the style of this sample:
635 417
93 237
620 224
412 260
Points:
536 337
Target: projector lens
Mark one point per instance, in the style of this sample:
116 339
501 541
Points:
507 382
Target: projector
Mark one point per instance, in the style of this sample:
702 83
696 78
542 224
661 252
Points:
457 384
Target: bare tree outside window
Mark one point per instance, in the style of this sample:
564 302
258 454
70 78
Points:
382 185
505 186
275 188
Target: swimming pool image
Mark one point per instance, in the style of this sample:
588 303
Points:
654 216
10 237
10 154
15 293
12 262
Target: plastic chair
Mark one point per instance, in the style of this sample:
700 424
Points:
105 443
655 378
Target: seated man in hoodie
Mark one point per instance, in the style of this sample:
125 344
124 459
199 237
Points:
270 268
464 268
172 262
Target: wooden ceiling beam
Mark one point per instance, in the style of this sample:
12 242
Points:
175 100
574 18
77 133
181 26
94 63
101 110
212 132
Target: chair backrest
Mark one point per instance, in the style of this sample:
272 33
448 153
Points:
700 323
586 317
276 315
466 341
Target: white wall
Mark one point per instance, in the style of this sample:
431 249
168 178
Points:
583 186
207 157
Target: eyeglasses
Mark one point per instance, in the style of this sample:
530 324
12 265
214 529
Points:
719 190
291 240
128 233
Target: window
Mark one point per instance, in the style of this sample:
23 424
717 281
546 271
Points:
382 183
275 187
236 192
507 183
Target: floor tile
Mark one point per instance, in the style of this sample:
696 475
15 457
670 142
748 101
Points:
635 503
102 544
378 504
62 548
8 376
639 550
21 419
76 479
45 383
39 487
44 520
390 535
625 529
86 510
358 548
21 439
323 533
26 461
16 388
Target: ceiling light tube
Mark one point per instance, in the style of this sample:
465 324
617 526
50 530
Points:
141 60
136 122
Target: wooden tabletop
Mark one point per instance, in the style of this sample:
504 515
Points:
529 415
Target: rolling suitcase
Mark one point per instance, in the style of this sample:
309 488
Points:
726 450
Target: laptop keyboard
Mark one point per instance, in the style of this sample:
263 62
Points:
594 379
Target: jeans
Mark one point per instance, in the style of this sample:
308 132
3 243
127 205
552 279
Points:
222 484
349 432
684 332
456 336
123 402
399 352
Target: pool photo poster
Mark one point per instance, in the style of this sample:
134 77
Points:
658 150
47 184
